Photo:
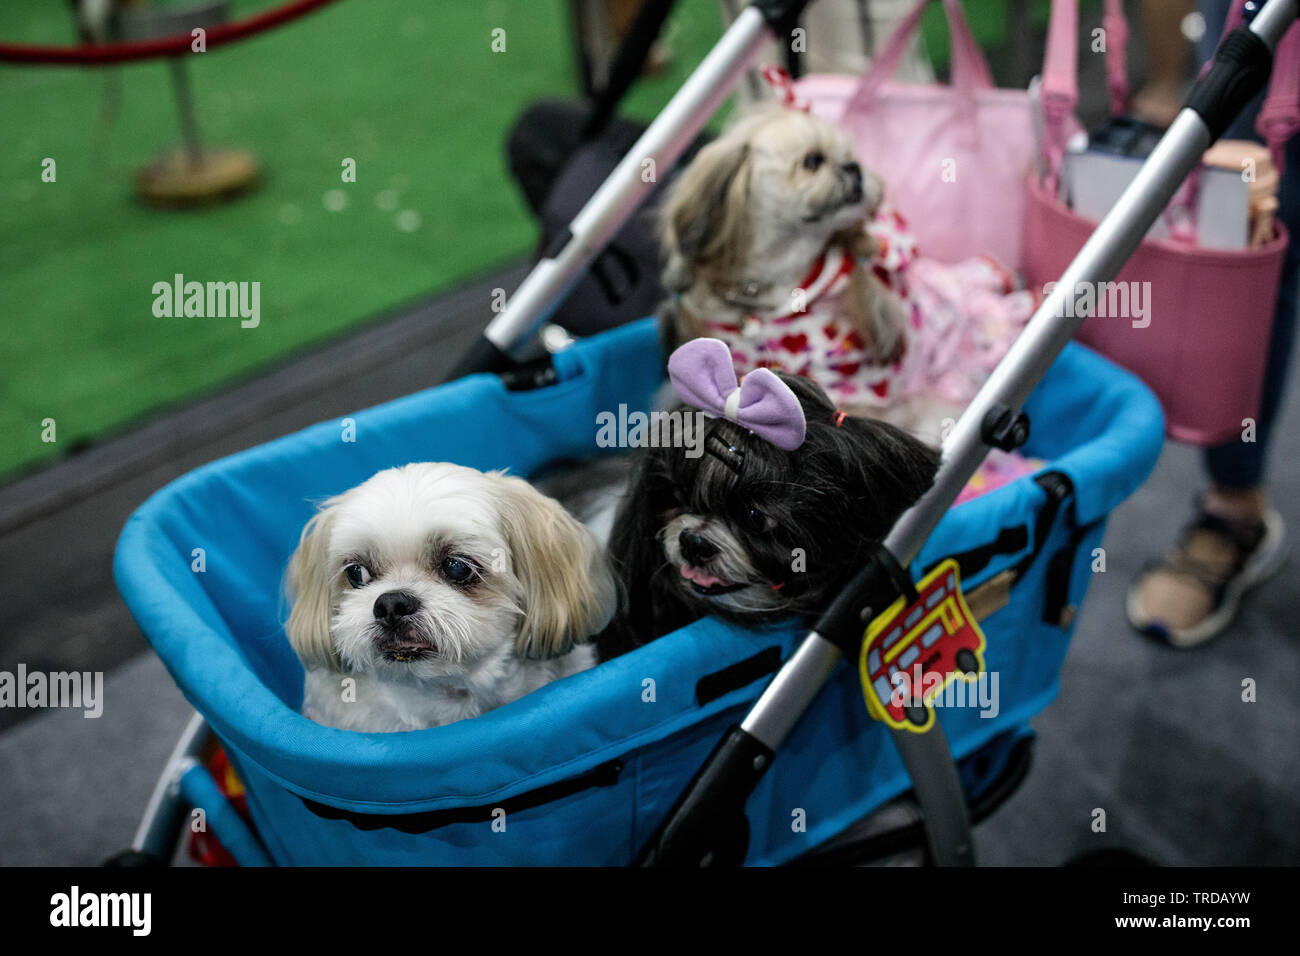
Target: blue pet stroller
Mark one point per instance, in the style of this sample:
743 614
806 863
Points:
618 764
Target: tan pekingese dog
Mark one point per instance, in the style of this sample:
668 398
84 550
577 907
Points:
749 224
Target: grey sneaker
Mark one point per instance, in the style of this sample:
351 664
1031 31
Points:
1193 592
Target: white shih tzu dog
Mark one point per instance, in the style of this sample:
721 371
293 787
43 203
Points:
441 592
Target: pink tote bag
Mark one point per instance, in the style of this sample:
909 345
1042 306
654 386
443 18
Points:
953 158
1203 340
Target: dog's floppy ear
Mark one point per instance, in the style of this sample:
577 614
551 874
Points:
705 216
889 468
309 590
569 592
636 555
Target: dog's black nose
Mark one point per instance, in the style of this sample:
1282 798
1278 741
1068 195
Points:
392 606
855 176
696 548
854 172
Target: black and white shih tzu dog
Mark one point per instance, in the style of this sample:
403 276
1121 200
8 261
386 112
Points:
434 592
775 515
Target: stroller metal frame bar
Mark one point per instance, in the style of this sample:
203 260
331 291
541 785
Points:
695 827
186 783
934 776
605 213
157 833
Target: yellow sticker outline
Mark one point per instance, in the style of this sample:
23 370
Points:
882 623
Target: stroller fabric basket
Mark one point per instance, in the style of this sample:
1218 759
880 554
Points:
582 770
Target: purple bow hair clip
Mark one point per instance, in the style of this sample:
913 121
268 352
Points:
702 372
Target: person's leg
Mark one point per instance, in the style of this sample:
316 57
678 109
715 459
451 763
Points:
1214 14
1237 467
1161 98
1236 539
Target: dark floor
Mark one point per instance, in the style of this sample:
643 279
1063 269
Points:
1161 740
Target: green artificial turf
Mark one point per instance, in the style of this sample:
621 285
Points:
410 89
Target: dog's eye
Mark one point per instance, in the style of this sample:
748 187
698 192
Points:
456 570
357 574
814 160
755 520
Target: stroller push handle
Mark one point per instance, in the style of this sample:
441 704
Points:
1240 70
781 15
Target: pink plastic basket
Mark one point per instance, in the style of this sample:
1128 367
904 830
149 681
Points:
1203 344
1205 340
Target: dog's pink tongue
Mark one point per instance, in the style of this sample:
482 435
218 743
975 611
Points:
702 578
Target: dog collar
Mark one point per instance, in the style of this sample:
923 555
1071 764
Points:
828 276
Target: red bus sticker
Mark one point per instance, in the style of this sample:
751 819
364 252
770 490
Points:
913 651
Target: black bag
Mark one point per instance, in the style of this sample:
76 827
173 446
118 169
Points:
560 152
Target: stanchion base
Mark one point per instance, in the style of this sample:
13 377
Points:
181 179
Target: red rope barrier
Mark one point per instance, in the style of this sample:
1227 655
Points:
107 53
